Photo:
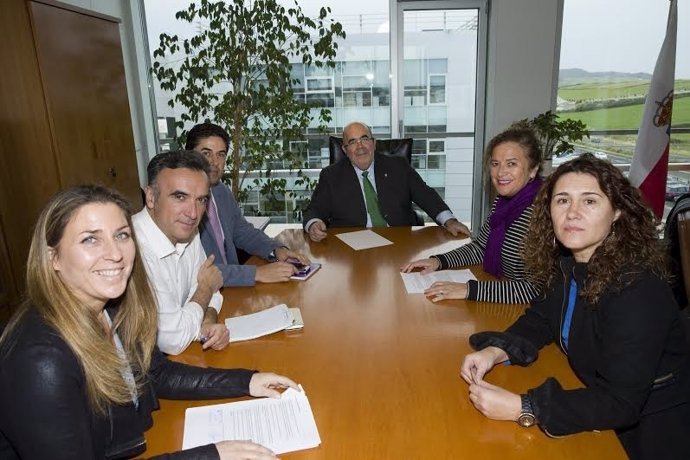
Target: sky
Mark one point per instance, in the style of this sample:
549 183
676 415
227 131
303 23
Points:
623 36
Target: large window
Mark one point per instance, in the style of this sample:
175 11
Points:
605 72
424 86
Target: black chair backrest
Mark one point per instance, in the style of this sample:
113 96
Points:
390 147
684 246
672 237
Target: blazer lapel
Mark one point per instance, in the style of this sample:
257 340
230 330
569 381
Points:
351 191
222 205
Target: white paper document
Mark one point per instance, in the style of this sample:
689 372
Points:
450 245
297 322
416 283
282 425
363 239
258 324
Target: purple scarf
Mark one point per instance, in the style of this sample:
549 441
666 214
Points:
505 213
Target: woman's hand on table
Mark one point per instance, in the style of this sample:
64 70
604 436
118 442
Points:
475 365
236 450
443 290
427 265
268 383
495 402
492 401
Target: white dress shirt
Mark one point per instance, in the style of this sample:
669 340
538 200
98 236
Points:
173 270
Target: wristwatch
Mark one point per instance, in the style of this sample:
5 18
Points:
526 418
272 257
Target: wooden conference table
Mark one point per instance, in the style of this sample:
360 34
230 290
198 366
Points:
380 366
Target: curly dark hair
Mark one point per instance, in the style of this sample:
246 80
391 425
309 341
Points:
633 241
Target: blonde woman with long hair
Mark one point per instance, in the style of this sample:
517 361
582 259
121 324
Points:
80 372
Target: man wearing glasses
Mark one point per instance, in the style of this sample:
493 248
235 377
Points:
368 190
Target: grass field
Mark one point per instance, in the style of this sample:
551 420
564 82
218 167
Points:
612 90
629 117
626 117
624 145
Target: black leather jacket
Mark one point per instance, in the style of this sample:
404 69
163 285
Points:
629 350
45 414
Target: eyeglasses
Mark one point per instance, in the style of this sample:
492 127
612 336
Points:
362 140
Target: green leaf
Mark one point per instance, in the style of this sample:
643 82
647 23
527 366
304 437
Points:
235 70
556 135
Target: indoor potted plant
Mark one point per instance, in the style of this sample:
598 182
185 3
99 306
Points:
556 135
236 72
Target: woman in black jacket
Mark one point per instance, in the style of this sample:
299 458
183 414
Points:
79 369
594 243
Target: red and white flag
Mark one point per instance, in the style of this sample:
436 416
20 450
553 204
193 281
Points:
650 160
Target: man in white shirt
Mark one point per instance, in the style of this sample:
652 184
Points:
185 281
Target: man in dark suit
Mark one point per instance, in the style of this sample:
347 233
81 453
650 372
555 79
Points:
367 190
223 228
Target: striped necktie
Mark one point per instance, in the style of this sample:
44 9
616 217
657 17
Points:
372 200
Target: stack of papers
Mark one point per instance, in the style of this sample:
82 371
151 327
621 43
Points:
416 283
282 425
262 323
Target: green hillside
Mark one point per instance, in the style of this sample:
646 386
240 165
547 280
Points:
588 91
629 117
593 91
612 89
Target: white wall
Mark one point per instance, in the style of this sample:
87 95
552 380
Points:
524 54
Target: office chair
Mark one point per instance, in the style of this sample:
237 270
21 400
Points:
680 265
684 245
391 147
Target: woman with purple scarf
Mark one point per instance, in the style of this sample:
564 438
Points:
513 159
